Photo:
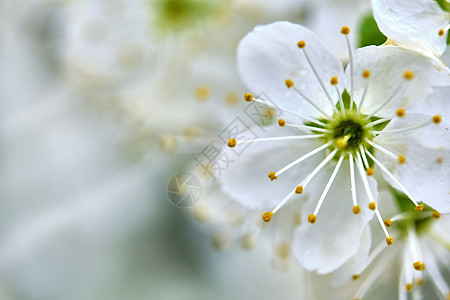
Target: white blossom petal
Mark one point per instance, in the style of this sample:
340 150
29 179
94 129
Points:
247 181
413 24
387 66
335 237
426 172
269 55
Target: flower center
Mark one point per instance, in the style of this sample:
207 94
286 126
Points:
348 133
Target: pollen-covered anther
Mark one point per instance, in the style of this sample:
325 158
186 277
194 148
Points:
289 83
420 281
400 112
301 44
419 266
345 30
366 74
248 97
389 240
281 122
436 214
372 206
312 218
356 277
267 216
232 143
299 189
401 159
388 222
408 75
441 32
334 80
419 207
437 119
356 209
272 176
369 171
409 287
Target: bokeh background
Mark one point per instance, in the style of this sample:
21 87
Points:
102 102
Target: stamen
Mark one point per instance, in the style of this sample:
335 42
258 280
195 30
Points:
299 160
389 239
401 159
365 75
377 122
289 83
281 122
388 222
353 184
311 128
437 119
345 31
267 216
317 76
386 171
299 189
334 81
248 97
274 139
272 176
400 112
312 218
328 186
436 214
366 163
408 75
415 250
312 103
442 31
319 167
309 119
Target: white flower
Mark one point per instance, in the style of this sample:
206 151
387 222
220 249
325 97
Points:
329 153
420 25
421 255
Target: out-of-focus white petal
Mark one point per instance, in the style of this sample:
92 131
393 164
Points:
269 55
413 24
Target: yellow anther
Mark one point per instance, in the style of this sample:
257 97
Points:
272 176
232 143
400 112
408 75
419 266
436 214
440 160
248 97
401 159
202 93
419 207
437 119
409 287
312 218
388 222
369 171
441 32
420 281
334 80
389 240
289 83
356 277
281 122
356 209
366 74
267 216
301 44
345 30
372 206
248 241
299 189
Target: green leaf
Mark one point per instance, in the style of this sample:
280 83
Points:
368 32
444 4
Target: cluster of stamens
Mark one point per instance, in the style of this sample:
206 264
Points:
346 134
